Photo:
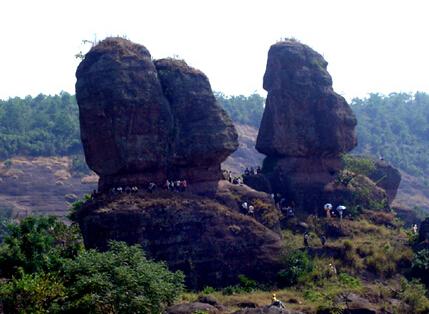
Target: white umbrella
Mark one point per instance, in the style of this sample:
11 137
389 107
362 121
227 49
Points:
328 206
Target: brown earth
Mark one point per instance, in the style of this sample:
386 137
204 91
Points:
42 185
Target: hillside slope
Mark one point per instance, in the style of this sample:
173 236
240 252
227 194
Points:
42 185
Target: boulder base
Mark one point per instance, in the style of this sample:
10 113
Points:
211 243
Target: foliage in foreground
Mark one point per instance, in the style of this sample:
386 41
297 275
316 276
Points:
38 244
49 273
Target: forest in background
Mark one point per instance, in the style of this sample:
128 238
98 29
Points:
395 126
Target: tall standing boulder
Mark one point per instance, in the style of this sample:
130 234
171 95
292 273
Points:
303 116
144 121
305 127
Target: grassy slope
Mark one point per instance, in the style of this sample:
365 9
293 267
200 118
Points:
371 256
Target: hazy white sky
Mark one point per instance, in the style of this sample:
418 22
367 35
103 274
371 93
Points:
371 46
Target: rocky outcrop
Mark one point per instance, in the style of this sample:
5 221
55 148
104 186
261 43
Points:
305 125
210 242
268 309
386 177
144 121
303 116
193 307
424 231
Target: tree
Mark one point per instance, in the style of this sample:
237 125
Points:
120 280
38 244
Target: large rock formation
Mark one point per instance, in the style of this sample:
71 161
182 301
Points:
303 116
208 238
145 121
305 126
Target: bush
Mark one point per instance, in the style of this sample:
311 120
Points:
245 285
297 265
208 290
349 281
32 293
38 244
120 280
358 165
414 294
420 265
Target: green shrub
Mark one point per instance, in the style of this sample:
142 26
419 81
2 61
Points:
32 293
414 294
358 165
420 265
76 207
297 265
230 290
120 280
349 281
246 283
38 244
208 290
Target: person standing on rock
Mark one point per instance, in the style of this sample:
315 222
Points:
306 238
251 211
328 208
340 210
276 302
323 240
167 185
245 206
246 171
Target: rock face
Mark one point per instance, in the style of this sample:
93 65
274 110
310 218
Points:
305 126
147 121
210 242
144 121
386 177
303 116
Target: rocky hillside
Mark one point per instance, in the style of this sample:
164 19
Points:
42 185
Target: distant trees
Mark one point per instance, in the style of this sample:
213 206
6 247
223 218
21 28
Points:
395 127
39 126
243 109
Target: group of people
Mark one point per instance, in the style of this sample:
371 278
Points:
128 190
249 209
176 185
330 212
252 170
322 238
232 179
281 204
170 185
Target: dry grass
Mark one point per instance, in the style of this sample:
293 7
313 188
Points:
62 175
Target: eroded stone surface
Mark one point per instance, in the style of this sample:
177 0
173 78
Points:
144 121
